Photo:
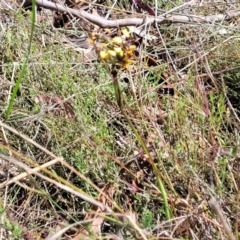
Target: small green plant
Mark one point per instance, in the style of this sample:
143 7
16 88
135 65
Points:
147 218
13 229
116 53
16 231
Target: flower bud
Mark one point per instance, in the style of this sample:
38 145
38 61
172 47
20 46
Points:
117 40
125 32
104 55
103 45
119 52
132 47
112 53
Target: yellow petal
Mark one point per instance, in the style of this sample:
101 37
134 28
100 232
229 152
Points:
126 58
125 65
129 53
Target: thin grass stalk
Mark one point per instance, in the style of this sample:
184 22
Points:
140 139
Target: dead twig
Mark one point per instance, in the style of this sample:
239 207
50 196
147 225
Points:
168 18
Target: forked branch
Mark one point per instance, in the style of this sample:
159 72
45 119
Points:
164 18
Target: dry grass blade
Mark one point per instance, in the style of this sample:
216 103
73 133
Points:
30 172
27 139
64 187
59 233
214 204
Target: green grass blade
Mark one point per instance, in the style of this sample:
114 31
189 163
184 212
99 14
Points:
25 64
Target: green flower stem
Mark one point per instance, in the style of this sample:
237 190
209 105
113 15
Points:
140 139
